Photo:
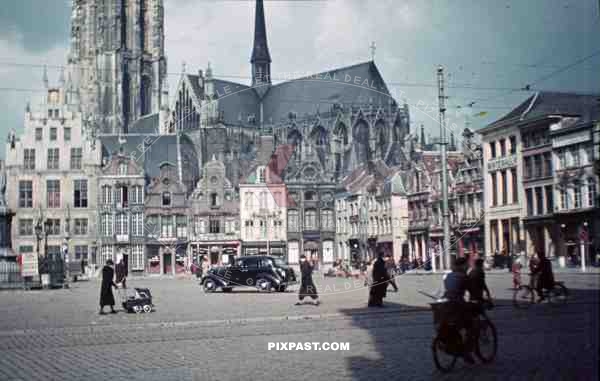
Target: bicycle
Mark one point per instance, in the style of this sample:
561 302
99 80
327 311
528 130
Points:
524 296
449 342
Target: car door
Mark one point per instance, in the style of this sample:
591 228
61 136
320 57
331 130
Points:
249 271
232 274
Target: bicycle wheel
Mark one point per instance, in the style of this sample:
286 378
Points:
523 297
444 361
559 294
487 341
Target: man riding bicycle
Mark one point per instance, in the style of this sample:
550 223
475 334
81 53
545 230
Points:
456 283
477 285
542 273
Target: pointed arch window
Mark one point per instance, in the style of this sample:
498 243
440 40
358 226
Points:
146 96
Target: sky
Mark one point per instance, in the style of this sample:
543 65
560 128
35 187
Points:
489 48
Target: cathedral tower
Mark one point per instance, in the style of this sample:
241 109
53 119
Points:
261 59
117 59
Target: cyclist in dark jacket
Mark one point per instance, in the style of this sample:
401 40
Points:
544 275
456 283
477 284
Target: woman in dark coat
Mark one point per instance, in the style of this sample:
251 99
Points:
106 294
379 284
307 286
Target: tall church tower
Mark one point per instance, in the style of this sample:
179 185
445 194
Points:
117 60
261 59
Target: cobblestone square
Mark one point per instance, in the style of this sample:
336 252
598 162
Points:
58 335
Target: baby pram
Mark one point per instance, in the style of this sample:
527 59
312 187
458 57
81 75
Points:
137 300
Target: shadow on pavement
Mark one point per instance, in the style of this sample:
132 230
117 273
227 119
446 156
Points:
543 342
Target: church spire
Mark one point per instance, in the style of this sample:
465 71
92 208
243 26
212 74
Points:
261 59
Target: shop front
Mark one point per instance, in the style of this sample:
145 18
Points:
576 245
540 234
274 248
469 241
217 253
163 259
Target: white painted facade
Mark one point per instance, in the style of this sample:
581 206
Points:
263 216
503 189
52 176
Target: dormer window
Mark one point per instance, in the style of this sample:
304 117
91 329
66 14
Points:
166 199
260 175
122 169
214 200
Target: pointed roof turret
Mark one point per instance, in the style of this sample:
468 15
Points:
260 50
260 59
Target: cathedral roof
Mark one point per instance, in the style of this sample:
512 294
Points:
236 101
357 85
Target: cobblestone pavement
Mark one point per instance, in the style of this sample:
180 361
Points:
57 335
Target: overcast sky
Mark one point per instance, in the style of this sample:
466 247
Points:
498 45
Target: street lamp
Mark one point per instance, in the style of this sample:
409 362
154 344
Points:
46 231
582 248
65 252
94 249
38 236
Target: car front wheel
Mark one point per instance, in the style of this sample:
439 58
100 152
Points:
263 284
210 285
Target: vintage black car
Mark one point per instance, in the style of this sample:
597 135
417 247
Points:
265 273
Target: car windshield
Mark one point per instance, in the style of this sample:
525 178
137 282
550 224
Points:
279 262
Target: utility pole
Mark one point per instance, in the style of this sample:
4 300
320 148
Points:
445 261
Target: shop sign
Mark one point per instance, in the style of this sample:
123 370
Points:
502 162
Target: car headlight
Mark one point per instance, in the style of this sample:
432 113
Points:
281 272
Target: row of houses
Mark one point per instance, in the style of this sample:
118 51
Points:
140 195
529 184
540 181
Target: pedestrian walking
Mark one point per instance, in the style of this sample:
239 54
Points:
106 295
307 286
83 267
197 269
516 271
390 266
533 265
121 272
204 266
379 282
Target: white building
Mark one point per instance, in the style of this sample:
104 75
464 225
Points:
263 215
503 189
122 229
52 177
576 190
